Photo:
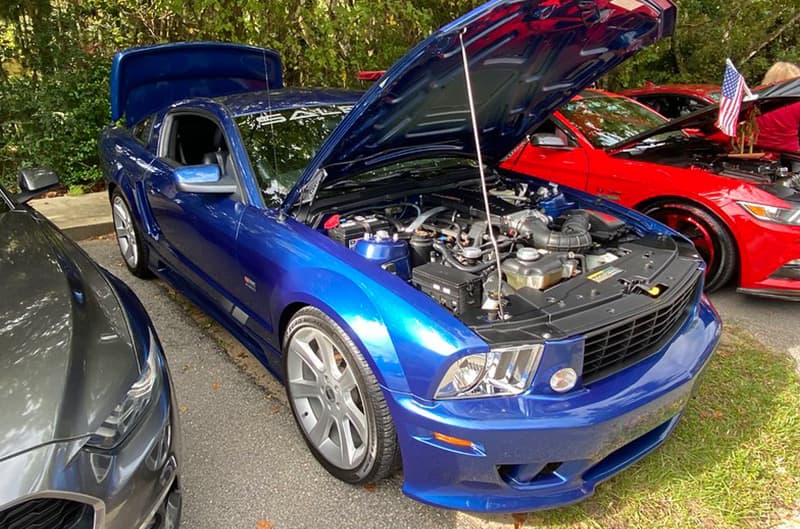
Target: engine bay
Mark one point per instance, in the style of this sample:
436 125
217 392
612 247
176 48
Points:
556 258
781 172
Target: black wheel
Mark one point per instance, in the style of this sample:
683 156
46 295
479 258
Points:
129 238
712 240
336 400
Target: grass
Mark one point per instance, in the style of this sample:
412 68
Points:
733 461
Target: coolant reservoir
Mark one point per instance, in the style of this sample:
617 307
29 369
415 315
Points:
540 273
389 252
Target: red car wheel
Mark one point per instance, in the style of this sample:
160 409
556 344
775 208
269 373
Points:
712 240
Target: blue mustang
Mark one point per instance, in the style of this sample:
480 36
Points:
510 343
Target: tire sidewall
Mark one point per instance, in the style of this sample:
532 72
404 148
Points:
724 246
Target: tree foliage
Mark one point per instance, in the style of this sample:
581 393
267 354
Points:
56 54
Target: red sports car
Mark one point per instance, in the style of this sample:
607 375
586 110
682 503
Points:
675 100
742 212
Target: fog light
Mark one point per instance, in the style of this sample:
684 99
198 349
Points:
563 380
790 270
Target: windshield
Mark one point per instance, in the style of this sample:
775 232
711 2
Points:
607 121
280 145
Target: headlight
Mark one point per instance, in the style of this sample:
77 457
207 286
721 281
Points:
773 214
500 372
126 415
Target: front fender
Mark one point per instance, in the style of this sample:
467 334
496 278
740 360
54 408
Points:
406 337
405 348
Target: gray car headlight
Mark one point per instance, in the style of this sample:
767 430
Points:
500 372
127 414
789 216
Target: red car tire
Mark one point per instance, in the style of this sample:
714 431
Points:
708 234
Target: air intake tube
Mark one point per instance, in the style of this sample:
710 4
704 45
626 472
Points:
572 237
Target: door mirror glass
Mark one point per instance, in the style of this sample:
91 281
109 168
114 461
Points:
34 182
204 179
548 140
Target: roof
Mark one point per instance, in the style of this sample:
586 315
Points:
287 98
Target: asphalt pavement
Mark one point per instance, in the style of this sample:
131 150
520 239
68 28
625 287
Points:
244 462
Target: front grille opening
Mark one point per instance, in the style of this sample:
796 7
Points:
48 513
530 474
611 349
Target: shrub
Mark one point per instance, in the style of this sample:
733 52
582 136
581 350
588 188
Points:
54 119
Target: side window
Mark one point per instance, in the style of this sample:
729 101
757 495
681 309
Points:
687 105
143 130
196 140
663 104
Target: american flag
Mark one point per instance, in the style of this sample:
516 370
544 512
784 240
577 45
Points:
733 88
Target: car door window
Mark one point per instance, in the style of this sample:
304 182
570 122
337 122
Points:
687 105
663 104
193 139
143 129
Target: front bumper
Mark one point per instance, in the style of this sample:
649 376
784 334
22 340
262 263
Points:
768 251
133 486
535 452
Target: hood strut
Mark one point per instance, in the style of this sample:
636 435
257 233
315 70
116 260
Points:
484 188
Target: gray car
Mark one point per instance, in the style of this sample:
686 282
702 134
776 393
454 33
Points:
89 432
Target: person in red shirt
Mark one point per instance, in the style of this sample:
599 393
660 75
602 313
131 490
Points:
778 130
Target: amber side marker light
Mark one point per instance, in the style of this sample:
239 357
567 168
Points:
455 441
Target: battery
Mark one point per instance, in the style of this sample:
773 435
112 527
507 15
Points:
452 288
351 230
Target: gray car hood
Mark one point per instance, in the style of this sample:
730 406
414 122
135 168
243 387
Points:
66 357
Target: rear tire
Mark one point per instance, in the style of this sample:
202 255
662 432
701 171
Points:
131 244
709 235
336 400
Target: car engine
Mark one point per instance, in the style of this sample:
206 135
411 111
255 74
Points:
439 242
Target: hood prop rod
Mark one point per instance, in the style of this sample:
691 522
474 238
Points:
484 188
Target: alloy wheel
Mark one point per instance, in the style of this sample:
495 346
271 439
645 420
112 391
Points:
126 233
327 397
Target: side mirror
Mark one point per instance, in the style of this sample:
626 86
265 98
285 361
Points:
548 140
203 179
34 182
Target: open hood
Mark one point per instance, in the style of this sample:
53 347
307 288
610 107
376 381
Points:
148 78
768 98
527 58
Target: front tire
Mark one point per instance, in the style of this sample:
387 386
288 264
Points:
712 240
336 400
131 244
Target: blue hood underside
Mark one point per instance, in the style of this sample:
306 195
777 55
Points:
527 58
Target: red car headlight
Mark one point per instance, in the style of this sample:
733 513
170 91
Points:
789 216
